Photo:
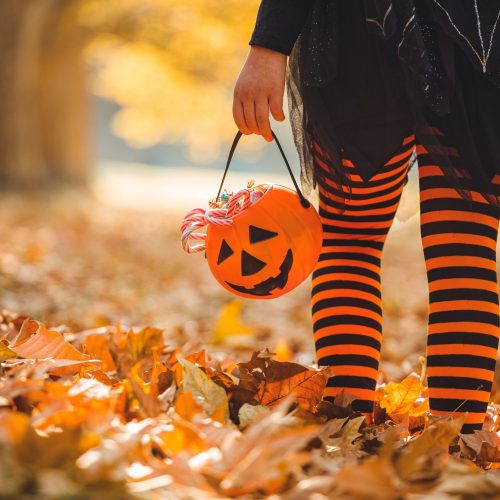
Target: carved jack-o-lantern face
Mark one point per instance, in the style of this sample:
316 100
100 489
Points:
250 264
270 248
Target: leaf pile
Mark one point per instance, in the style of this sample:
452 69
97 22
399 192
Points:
71 259
120 412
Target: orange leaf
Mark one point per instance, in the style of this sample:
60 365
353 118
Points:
13 426
97 347
28 328
401 399
47 344
144 342
182 437
283 352
69 406
146 387
119 337
186 406
198 358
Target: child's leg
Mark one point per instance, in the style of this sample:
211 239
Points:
460 254
346 292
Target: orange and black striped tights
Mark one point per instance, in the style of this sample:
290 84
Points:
459 244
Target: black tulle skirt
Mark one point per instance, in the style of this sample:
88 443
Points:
364 74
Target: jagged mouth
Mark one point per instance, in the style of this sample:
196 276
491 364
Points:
267 286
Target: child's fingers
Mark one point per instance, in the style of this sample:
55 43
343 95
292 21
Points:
262 115
276 106
250 119
239 117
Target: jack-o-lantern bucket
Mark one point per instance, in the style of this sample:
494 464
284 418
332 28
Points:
261 242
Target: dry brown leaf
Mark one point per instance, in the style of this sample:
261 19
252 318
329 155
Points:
346 443
266 381
87 402
180 437
28 328
307 386
213 396
198 358
250 414
375 478
424 457
50 344
485 446
259 458
464 480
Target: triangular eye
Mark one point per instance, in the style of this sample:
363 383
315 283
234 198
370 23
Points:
258 234
250 264
224 252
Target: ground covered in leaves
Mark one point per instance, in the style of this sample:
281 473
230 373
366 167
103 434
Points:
127 372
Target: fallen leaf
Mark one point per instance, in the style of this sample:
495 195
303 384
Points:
197 382
28 328
182 437
97 347
424 456
374 478
283 352
5 352
229 323
144 342
259 458
485 444
144 378
249 414
266 381
13 426
186 406
45 344
344 442
464 480
401 399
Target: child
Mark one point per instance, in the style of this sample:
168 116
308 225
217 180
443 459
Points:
374 85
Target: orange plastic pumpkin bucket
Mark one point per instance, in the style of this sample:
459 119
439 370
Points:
259 249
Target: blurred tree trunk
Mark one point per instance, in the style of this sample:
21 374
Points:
43 102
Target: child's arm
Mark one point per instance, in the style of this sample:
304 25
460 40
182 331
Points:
261 83
279 23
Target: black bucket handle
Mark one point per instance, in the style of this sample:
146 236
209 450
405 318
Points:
303 201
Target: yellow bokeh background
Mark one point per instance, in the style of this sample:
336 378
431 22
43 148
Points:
170 65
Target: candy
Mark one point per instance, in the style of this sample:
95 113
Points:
220 212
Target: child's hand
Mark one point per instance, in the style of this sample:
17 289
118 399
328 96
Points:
260 88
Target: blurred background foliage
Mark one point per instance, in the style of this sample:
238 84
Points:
168 67
171 66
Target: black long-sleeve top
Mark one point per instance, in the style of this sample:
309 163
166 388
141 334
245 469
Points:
393 61
366 101
279 23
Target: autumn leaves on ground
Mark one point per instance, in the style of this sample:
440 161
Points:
127 372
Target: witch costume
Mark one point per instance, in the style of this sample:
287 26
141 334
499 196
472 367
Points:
374 87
